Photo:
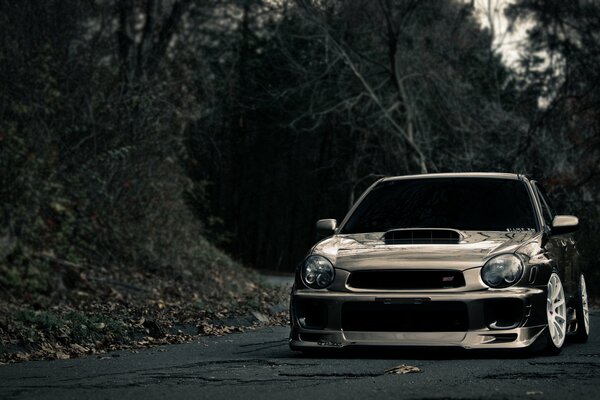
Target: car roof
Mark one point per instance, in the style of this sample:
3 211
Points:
491 175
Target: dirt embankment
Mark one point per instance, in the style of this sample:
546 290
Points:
87 310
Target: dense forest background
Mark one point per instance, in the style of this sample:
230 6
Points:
149 133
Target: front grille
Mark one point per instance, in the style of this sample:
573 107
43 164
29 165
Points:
406 279
380 316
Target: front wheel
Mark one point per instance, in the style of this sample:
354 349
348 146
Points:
582 313
556 312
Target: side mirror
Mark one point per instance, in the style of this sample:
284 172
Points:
326 227
562 224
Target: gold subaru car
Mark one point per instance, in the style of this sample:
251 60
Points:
472 260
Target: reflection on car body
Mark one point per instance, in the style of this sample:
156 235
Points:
475 260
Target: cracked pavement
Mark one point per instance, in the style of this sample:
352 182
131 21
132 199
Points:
260 364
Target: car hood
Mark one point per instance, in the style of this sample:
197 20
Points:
368 250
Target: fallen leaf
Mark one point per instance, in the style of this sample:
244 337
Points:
61 356
79 348
534 393
260 316
59 208
402 369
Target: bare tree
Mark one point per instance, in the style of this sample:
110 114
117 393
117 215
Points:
144 35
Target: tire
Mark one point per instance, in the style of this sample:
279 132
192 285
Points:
553 338
582 312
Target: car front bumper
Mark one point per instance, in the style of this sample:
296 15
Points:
485 319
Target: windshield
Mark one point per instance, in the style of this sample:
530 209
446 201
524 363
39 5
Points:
481 204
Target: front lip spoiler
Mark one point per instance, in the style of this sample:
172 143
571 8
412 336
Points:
483 339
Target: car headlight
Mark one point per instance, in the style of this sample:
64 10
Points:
317 272
502 271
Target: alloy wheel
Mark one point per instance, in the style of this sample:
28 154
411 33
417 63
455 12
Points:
557 311
584 305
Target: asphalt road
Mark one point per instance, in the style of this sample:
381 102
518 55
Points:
259 365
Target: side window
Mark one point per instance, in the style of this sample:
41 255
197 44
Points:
547 209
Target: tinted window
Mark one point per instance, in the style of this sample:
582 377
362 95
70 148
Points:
547 211
458 203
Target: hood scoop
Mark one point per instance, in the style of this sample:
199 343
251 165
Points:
422 236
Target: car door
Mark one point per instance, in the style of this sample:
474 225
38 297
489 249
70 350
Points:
564 245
